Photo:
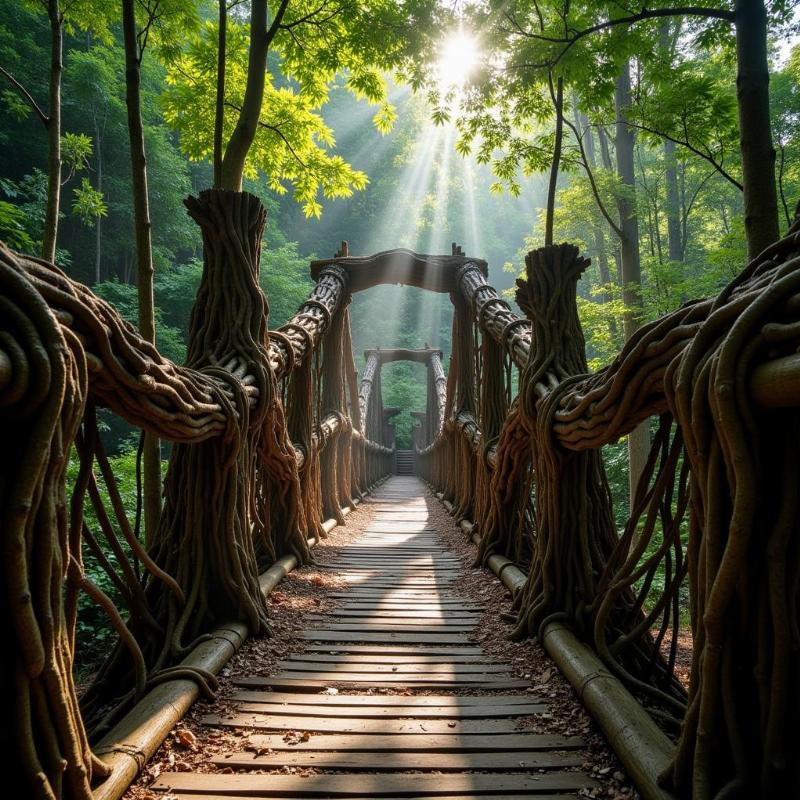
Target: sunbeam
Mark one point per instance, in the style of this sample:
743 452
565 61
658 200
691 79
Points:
460 55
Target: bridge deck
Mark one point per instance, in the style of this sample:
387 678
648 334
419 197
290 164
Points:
393 695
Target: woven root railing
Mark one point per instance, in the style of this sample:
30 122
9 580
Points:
267 443
713 538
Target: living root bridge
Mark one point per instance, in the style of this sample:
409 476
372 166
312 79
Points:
238 494
272 432
715 517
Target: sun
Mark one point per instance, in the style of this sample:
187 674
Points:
459 58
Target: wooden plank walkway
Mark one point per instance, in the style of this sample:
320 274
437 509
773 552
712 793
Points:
400 630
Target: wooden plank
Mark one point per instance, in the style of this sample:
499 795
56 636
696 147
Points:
369 625
396 577
454 670
414 547
406 563
399 582
390 649
413 607
400 559
372 726
423 609
321 658
398 527
407 615
303 684
419 548
363 785
408 603
407 678
397 595
401 543
428 589
393 712
411 742
538 796
385 637
398 568
429 594
395 616
414 603
375 500
361 700
399 579
399 762
407 560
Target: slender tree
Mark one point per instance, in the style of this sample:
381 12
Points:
750 21
53 124
755 127
134 52
83 15
219 109
630 262
261 36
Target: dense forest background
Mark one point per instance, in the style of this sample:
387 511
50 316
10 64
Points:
419 192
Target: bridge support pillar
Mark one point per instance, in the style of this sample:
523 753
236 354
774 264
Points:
575 529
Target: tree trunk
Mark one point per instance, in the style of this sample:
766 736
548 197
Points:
638 439
98 237
551 188
50 234
599 234
755 132
151 466
219 110
575 530
674 239
216 563
667 38
605 154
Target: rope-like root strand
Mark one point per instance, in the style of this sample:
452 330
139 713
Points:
738 737
729 466
575 529
42 402
465 365
506 516
639 591
59 345
493 410
300 425
212 557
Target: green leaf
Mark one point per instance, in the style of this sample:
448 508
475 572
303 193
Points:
88 203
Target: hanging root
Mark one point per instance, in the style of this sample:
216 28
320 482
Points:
738 737
43 388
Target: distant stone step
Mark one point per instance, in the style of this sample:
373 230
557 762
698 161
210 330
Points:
405 462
